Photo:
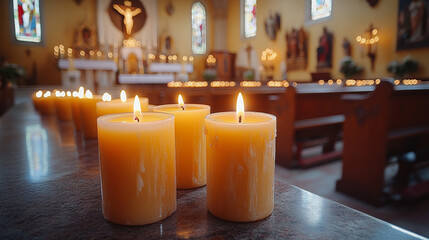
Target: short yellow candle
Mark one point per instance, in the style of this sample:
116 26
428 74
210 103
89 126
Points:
190 142
63 106
37 98
240 165
122 105
88 114
75 104
47 106
137 164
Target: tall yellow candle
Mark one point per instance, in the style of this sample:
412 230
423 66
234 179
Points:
190 142
63 105
37 98
240 165
137 164
75 104
122 105
88 114
47 106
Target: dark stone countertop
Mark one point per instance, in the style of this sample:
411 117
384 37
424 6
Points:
50 189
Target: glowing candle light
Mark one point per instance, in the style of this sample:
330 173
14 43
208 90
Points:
137 165
47 105
190 142
37 98
63 106
121 105
240 164
88 113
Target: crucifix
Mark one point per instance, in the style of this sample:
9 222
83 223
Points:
128 12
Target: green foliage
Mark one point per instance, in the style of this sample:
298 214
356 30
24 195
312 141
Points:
349 68
406 66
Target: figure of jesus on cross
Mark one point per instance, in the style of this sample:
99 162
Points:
128 14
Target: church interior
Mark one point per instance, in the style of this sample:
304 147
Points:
195 119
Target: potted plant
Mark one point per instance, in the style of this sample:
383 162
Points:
209 74
10 72
348 67
404 67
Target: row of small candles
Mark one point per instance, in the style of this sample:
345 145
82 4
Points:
146 153
285 83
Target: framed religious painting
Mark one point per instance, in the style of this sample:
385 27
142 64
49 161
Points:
26 22
413 24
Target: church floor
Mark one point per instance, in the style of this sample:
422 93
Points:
321 181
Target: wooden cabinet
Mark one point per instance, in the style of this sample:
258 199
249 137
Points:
225 65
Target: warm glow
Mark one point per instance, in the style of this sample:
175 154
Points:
88 94
137 109
68 93
185 58
75 94
180 102
123 96
321 82
39 94
81 92
106 97
191 59
47 94
240 109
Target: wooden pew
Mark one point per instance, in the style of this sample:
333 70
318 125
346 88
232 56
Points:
378 125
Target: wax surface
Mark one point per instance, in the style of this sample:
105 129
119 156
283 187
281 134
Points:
88 114
137 161
190 143
116 106
75 104
63 108
36 101
240 166
47 106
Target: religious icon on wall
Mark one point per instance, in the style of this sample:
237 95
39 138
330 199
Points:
296 53
85 37
324 50
129 16
272 25
413 24
26 20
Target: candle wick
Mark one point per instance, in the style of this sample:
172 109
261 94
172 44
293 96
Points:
183 108
136 119
239 119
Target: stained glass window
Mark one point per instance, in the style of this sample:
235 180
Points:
26 18
320 9
249 18
198 28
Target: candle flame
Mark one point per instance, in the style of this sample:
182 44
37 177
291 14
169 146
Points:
88 94
57 94
137 109
63 94
123 96
181 103
39 94
75 94
81 92
106 97
240 109
47 94
68 93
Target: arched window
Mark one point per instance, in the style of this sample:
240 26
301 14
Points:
249 18
320 9
198 28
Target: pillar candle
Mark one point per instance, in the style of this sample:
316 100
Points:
88 114
137 164
190 143
240 165
117 106
47 106
63 106
75 105
37 98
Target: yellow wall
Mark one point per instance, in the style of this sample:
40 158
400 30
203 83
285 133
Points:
178 26
60 20
350 18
